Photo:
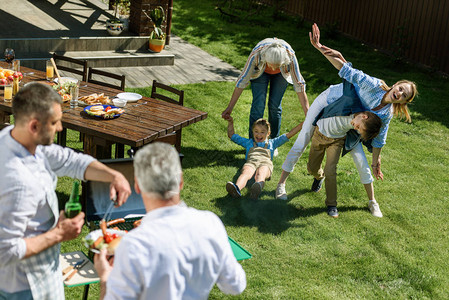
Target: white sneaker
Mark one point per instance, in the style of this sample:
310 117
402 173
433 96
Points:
374 209
281 194
275 153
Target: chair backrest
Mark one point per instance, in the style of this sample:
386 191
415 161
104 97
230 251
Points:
170 94
118 77
66 63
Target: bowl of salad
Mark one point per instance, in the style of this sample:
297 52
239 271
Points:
63 87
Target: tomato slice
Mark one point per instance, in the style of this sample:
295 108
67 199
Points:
107 108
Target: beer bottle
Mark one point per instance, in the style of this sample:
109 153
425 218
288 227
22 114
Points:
73 206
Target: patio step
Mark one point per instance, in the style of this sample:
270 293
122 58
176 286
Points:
104 59
99 51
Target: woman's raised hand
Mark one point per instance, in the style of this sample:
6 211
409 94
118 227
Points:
315 37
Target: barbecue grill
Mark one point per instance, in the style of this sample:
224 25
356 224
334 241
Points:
96 200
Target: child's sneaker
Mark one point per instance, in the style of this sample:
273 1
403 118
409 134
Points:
316 185
281 194
255 190
233 190
332 211
374 208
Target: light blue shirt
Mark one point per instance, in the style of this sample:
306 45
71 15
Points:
26 182
370 93
249 143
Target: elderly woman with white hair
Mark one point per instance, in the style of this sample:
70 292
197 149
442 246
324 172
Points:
272 62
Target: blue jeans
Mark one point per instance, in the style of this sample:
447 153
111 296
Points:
259 87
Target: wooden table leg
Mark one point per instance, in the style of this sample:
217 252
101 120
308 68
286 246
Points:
61 137
5 119
96 147
119 150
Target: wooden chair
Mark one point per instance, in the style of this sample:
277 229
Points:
119 148
63 62
120 78
66 63
169 94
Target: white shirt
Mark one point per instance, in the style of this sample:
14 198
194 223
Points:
25 183
176 253
335 127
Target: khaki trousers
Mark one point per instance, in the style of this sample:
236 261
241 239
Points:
332 148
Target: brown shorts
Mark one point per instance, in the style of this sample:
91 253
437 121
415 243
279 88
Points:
256 159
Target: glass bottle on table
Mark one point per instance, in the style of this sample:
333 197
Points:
73 206
15 83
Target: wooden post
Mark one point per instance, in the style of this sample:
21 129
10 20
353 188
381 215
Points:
139 23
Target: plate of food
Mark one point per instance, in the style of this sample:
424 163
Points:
129 97
94 99
104 111
110 240
7 76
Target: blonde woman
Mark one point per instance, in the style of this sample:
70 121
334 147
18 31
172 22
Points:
272 62
375 95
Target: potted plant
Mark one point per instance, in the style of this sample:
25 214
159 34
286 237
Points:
115 26
157 37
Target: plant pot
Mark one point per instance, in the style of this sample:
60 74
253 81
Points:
157 45
114 27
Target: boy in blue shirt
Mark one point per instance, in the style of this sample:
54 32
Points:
259 155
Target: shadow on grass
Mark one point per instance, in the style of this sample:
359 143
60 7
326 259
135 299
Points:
269 216
197 158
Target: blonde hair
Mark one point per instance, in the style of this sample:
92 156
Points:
275 54
400 109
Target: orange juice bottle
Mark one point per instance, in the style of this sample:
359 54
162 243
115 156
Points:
15 84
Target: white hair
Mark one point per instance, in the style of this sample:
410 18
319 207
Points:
157 168
276 54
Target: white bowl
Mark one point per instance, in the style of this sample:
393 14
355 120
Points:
119 102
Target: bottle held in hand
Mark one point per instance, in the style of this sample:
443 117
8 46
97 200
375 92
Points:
73 206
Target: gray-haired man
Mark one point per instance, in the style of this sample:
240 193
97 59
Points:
177 252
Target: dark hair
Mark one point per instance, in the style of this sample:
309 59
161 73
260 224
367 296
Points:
262 122
35 100
372 125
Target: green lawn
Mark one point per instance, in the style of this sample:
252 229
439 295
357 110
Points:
298 251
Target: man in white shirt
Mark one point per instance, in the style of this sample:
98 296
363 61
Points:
31 227
177 252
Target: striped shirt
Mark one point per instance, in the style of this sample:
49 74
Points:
370 92
28 202
255 66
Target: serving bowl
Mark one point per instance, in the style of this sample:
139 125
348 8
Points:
119 102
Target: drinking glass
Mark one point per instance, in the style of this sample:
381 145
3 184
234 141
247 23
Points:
7 93
16 65
49 70
74 91
9 56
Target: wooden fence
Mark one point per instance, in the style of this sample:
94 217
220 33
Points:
417 30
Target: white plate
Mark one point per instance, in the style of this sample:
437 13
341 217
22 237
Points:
94 235
130 97
65 79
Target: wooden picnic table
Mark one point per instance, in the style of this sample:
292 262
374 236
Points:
140 124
